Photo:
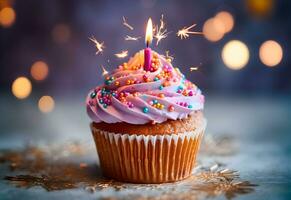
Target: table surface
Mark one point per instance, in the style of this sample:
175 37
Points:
259 128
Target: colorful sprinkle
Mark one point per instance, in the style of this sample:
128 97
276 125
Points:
147 80
116 83
145 110
190 106
128 82
93 95
161 87
130 104
156 104
190 93
185 93
171 108
108 82
156 79
135 94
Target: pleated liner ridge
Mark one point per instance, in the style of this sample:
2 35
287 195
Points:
147 159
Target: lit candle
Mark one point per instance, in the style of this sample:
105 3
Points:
147 51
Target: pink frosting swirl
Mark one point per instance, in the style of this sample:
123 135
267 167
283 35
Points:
135 96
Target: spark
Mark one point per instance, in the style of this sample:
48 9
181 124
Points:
122 54
161 31
168 56
105 72
186 32
127 38
126 24
195 68
99 45
161 35
162 23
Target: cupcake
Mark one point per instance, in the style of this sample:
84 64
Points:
147 125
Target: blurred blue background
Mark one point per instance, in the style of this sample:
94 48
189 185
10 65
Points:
56 32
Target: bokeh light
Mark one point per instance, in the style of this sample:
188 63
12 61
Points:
235 54
46 104
7 17
61 33
260 8
271 53
39 70
227 20
21 87
213 29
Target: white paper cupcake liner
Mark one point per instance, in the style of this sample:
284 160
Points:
148 158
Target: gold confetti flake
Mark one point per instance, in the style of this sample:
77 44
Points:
37 167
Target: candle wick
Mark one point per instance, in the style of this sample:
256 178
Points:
147 44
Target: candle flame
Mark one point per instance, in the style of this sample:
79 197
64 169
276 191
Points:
149 32
185 32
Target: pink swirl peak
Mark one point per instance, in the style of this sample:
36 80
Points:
132 95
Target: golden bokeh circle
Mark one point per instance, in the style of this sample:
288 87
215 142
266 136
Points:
227 19
39 70
271 53
46 104
213 29
235 54
260 8
7 16
21 87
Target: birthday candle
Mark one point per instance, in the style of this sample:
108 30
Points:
147 51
